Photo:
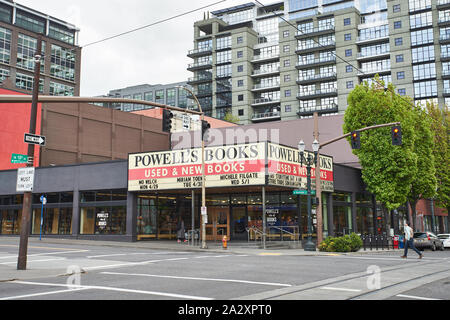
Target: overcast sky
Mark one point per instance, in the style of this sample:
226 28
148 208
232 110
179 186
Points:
156 55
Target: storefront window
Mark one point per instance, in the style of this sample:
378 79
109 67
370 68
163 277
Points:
103 220
10 221
364 220
342 219
57 221
147 217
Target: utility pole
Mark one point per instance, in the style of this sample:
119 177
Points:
28 196
318 184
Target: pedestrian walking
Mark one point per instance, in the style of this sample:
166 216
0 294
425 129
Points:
409 241
181 231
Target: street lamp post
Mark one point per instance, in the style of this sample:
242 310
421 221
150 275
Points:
309 161
204 215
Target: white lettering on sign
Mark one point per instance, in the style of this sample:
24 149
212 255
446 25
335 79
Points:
25 180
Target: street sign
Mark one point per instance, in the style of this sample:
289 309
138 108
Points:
19 159
303 192
35 139
25 180
186 122
43 200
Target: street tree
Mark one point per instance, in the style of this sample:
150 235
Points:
440 127
387 170
424 183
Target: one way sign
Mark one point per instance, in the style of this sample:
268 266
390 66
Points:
34 139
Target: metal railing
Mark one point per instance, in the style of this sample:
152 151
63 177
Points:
265 115
282 233
314 61
254 234
315 45
317 76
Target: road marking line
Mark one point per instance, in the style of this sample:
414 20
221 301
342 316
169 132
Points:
270 254
46 254
199 279
153 293
34 247
43 294
108 255
414 297
340 289
46 260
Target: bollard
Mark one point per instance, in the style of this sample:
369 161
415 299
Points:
225 243
376 242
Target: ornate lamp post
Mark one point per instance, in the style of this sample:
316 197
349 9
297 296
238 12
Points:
309 161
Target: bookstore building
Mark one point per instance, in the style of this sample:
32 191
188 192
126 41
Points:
147 196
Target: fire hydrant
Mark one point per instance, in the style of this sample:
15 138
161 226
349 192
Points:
225 243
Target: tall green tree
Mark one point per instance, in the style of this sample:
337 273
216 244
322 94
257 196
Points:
440 127
387 170
424 183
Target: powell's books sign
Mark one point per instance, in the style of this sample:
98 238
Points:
225 166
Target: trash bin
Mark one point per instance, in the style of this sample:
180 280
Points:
401 240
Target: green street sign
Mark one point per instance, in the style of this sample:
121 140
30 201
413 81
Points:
19 159
303 192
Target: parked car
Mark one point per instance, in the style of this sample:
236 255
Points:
446 239
428 240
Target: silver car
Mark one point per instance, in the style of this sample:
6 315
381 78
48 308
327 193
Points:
445 238
428 240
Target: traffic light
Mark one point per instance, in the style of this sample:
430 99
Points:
205 127
397 139
356 140
167 121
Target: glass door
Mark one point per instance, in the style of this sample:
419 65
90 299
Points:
218 223
239 223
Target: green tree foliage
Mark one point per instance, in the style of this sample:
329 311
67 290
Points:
387 170
424 183
440 127
231 118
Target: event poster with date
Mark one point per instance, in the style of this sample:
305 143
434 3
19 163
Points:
225 166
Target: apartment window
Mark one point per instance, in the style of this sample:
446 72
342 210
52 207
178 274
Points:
5 45
285 34
397 25
416 5
287 93
347 21
241 97
421 37
396 8
348 52
223 43
287 78
240 54
30 22
286 48
171 97
287 108
425 89
348 37
400 75
240 83
61 33
240 40
241 112
402 92
399 58
287 63
223 56
62 63
25 82
350 85
398 41
58 89
26 49
148 96
423 54
240 68
424 71
4 73
159 96
421 20
349 68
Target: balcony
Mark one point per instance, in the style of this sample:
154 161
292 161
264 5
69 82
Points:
444 38
266 57
442 4
332 76
444 21
368 56
260 73
309 111
199 52
223 89
301 34
223 103
197 80
266 86
265 101
267 116
200 93
315 47
446 74
200 65
307 95
446 92
376 38
445 56
306 64
373 71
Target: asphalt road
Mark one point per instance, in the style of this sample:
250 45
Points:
73 272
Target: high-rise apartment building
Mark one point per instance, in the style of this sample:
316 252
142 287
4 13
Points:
289 59
20 28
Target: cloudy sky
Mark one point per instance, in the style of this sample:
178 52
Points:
156 55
